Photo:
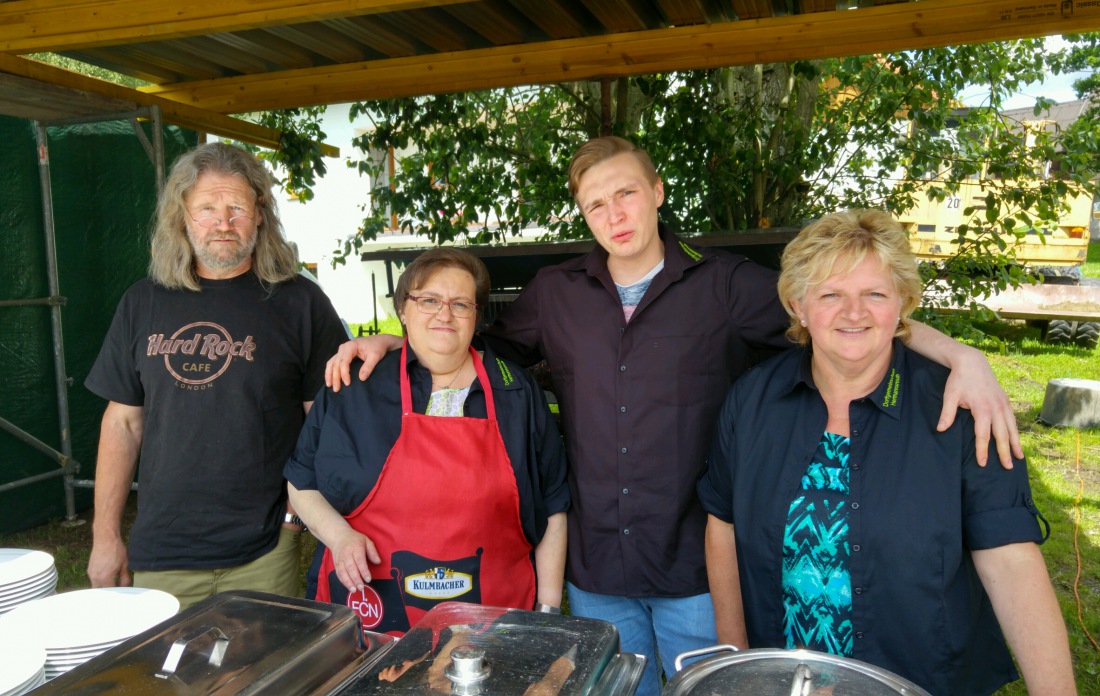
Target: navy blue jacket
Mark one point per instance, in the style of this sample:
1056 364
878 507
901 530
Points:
919 504
348 435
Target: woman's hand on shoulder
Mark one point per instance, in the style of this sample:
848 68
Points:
351 554
369 349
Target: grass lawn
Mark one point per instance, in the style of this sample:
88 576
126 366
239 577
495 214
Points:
390 326
1092 261
1064 465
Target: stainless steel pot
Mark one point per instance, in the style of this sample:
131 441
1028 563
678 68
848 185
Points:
774 672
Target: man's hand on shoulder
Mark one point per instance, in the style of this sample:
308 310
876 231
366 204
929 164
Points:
973 385
108 565
369 349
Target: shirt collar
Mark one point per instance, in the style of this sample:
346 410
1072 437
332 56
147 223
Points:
887 396
679 256
501 375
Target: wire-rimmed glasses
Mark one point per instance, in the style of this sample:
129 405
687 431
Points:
239 219
460 309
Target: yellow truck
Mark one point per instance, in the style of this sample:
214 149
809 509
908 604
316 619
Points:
1066 307
1057 253
933 225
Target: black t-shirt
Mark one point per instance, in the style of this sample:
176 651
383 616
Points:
221 375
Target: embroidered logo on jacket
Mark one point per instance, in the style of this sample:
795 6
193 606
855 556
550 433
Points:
505 373
199 353
891 397
692 253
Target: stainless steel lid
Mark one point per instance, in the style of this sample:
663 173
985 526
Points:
469 649
768 672
234 643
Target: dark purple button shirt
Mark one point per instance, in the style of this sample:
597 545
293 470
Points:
639 400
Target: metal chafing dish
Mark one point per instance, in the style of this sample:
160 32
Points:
233 643
245 643
470 649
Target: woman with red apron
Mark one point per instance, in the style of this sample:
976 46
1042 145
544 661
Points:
444 514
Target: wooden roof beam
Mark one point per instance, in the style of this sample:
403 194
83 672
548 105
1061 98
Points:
927 24
172 111
33 26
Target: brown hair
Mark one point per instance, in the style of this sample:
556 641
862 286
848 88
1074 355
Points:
424 266
812 256
172 258
599 149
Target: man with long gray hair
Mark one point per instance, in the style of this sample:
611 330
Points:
209 367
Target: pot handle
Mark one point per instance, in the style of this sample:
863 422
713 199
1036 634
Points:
700 652
803 681
217 650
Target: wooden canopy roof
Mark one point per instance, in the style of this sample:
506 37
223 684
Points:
235 56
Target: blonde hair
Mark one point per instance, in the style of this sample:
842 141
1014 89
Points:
172 258
599 149
812 257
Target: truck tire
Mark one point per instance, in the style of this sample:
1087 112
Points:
1059 331
1088 334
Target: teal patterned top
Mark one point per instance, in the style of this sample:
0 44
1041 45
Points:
817 586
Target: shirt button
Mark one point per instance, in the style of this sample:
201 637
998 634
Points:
859 634
855 433
855 547
622 409
622 368
855 467
622 329
855 506
626 532
623 450
625 491
858 590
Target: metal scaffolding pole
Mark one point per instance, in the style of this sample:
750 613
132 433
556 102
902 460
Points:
61 379
69 467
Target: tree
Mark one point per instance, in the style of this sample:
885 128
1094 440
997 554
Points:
299 153
739 148
1082 54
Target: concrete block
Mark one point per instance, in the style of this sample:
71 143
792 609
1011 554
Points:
1072 402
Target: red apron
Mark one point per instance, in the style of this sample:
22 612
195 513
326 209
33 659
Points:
444 517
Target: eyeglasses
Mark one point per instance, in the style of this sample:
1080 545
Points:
432 305
208 221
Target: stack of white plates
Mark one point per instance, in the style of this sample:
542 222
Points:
22 665
25 575
74 627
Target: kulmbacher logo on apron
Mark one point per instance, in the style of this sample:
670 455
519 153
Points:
426 581
439 583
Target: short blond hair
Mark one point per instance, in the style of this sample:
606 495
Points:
597 150
811 257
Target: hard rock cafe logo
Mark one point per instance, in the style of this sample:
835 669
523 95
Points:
199 353
439 583
368 605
